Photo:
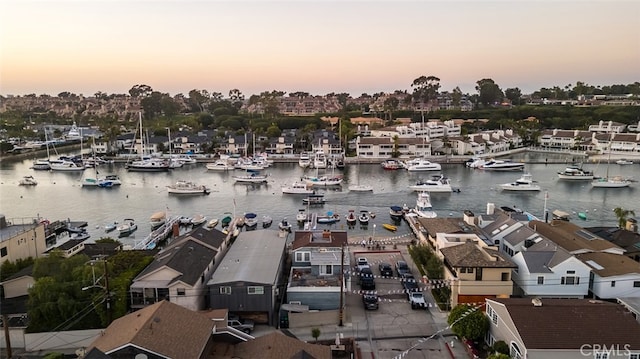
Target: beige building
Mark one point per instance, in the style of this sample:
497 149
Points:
476 272
21 239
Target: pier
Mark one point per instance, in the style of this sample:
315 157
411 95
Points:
157 235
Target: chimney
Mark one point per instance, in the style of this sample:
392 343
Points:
537 302
326 233
631 225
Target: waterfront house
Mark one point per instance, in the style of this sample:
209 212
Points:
627 238
477 272
21 238
612 275
563 328
385 147
282 145
247 281
161 330
547 270
440 232
573 238
318 258
180 271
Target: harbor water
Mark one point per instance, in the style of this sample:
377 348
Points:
60 196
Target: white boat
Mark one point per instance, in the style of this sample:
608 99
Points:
438 183
284 225
250 220
145 163
127 228
396 212
157 219
423 206
610 182
329 218
364 218
576 173
28 181
219 165
314 199
502 165
623 161
184 220
524 183
319 160
304 160
323 181
41 165
297 188
251 176
212 223
66 166
266 221
74 133
422 164
475 162
302 215
110 227
198 219
187 187
391 165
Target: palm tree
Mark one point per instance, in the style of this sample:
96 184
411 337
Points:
622 215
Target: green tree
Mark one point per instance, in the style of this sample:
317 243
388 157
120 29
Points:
489 92
622 215
315 333
140 91
273 131
198 99
425 89
468 322
514 95
501 347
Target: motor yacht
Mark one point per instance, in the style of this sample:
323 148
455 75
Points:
438 183
524 183
502 165
422 164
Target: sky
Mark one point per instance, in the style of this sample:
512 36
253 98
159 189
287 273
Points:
321 46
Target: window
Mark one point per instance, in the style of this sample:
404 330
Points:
505 276
303 256
3 252
463 270
540 280
570 280
326 269
636 284
571 272
613 283
180 291
225 290
492 315
478 273
255 290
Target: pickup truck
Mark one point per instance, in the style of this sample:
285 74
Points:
417 300
361 263
243 325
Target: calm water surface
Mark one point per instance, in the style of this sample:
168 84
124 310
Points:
60 196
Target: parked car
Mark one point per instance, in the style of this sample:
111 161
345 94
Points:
370 301
385 270
417 300
362 262
244 325
366 279
402 268
409 284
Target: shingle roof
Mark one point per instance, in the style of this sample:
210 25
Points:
469 254
609 264
570 323
279 346
164 328
570 236
434 226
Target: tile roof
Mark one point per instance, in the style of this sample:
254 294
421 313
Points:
164 328
279 346
609 264
571 237
570 323
316 239
470 254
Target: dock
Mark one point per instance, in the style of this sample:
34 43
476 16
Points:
157 235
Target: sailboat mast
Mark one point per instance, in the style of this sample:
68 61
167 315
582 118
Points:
141 137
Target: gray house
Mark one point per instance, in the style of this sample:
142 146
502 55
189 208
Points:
317 261
246 281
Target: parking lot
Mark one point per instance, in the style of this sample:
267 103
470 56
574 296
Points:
394 327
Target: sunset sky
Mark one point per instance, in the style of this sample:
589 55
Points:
47 47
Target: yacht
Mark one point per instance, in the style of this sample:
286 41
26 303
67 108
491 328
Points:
623 161
314 199
502 165
187 187
149 164
423 206
28 181
391 165
251 176
297 188
475 162
304 161
66 166
320 160
524 183
219 165
438 183
323 181
422 164
575 172
302 215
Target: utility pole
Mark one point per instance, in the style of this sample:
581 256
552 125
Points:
7 336
108 293
341 311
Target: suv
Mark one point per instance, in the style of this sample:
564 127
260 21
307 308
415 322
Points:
402 268
366 279
243 325
370 301
409 284
417 300
362 262
385 270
